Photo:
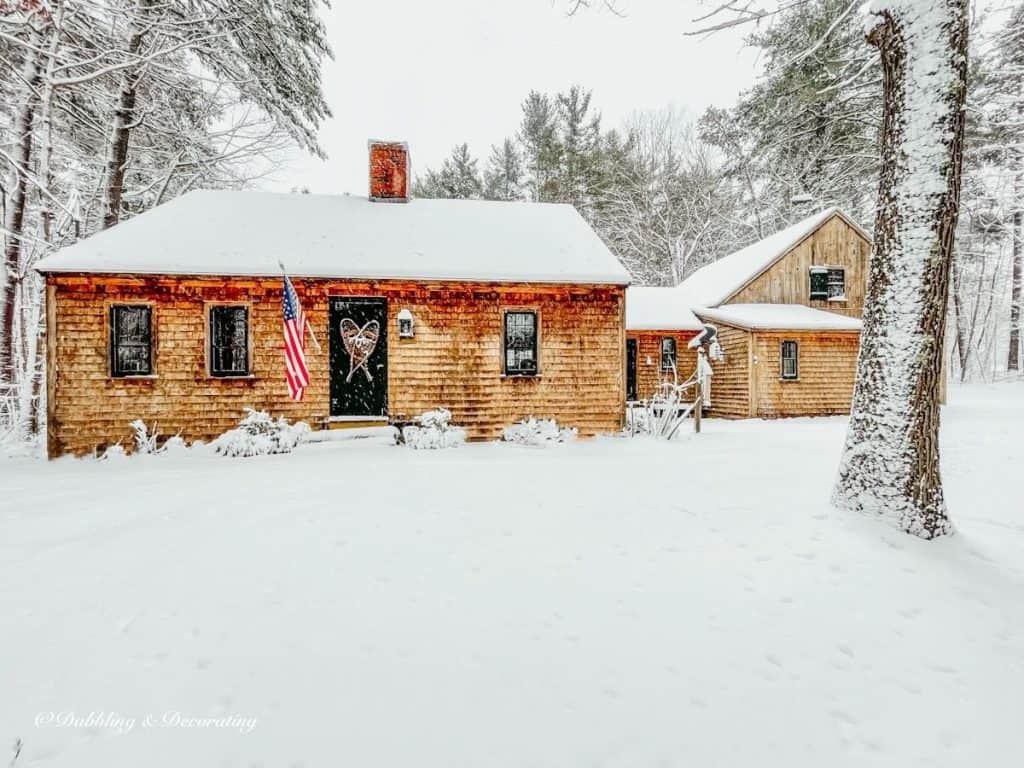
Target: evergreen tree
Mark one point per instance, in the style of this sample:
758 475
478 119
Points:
810 127
580 140
504 177
458 178
538 136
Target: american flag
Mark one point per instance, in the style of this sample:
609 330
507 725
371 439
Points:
295 369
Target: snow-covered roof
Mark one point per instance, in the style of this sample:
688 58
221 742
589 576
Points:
341 236
658 309
717 282
783 317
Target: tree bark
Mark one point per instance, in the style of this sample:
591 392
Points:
890 464
15 219
124 116
1013 358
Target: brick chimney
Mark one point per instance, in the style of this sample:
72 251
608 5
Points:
389 171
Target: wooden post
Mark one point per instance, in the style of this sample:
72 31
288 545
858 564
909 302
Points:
698 408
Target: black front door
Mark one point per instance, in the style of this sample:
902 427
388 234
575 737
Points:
359 356
630 369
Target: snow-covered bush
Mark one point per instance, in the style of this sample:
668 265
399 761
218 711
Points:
259 434
433 430
144 437
538 432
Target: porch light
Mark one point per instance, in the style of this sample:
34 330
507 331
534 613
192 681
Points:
405 324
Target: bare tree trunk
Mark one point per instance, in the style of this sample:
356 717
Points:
890 464
1013 358
124 116
15 219
958 320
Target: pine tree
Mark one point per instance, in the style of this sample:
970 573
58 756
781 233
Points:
580 141
458 178
538 136
504 177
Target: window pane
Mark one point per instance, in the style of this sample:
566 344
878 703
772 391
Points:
819 283
521 342
229 341
836 283
789 360
668 353
130 341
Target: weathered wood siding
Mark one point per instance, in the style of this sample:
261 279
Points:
454 360
730 384
827 366
834 244
648 359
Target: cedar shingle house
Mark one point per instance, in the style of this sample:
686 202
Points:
787 310
496 311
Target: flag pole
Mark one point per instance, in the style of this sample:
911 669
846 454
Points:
308 326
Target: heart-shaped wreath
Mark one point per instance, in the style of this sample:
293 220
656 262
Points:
359 343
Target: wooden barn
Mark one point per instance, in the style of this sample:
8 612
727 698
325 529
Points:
496 311
787 310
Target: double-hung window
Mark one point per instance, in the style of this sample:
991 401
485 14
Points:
521 343
836 284
668 353
131 340
229 341
790 360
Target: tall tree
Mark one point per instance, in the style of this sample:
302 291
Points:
890 464
458 177
538 135
1007 87
580 141
503 178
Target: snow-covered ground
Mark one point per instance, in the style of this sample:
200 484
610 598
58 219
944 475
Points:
614 602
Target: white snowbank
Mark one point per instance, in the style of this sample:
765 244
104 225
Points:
246 233
787 317
619 602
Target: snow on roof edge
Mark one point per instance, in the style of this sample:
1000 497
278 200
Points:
779 317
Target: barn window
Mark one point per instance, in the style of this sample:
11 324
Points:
131 340
837 284
819 283
229 341
828 283
668 354
790 360
520 343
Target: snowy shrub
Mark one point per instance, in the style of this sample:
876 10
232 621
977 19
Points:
434 430
258 434
538 432
144 437
663 415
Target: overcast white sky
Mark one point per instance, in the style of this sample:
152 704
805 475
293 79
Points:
439 72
